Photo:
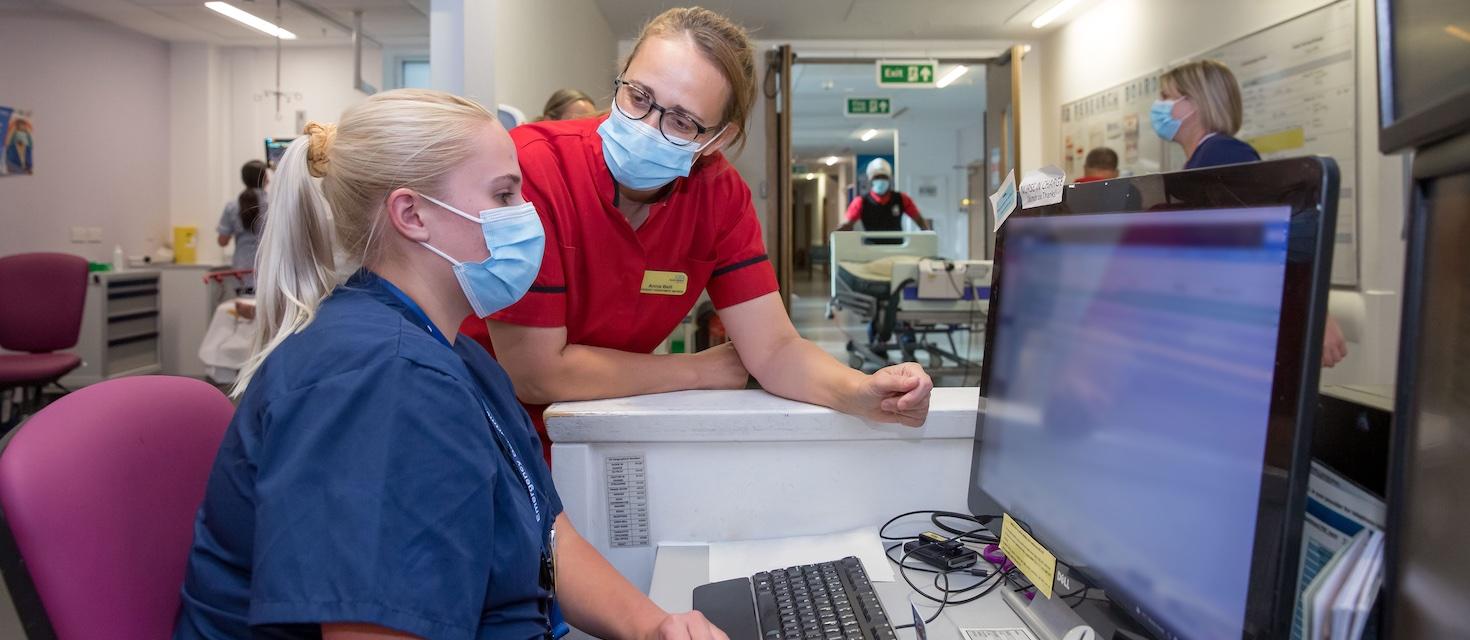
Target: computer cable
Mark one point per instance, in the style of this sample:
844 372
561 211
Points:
989 580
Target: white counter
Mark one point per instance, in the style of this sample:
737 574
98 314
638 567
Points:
710 466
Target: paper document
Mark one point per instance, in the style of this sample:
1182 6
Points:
1009 633
1042 187
1003 201
1337 510
729 560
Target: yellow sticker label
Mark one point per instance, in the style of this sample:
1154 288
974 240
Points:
665 283
1035 562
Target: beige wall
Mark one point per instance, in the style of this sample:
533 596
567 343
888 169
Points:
546 45
100 98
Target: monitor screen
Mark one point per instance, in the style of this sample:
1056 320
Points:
274 149
1128 399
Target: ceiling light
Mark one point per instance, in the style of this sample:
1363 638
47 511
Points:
1056 11
869 134
829 160
250 20
811 176
954 74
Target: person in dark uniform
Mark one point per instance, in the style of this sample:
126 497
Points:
882 208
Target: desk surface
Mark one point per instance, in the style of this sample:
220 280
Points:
679 569
746 416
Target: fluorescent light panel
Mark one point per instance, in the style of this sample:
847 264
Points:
1056 11
954 74
829 160
870 134
250 20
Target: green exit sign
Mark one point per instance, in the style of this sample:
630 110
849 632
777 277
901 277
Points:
868 107
907 73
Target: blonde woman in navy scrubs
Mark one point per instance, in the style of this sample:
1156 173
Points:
379 479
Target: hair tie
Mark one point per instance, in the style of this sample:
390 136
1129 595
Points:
322 136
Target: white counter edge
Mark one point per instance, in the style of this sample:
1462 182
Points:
746 416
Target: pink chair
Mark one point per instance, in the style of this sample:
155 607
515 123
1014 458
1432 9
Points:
99 492
41 298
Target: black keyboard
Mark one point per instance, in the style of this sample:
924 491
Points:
827 601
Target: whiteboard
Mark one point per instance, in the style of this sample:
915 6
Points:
1118 119
1298 81
1299 88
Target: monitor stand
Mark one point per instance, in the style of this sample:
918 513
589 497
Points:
1049 618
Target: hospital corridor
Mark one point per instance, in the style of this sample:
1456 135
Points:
734 320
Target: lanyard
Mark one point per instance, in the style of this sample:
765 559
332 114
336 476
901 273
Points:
501 440
548 542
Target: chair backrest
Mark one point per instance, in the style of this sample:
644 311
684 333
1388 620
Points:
41 297
99 492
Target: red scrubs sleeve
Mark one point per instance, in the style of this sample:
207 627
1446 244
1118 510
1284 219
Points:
545 305
854 210
742 271
911 209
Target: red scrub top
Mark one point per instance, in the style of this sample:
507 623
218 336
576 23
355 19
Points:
611 285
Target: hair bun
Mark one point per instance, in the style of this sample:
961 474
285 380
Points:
322 136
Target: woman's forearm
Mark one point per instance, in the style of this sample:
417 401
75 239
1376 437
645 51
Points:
594 596
800 370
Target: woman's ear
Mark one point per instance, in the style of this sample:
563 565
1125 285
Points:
405 214
723 140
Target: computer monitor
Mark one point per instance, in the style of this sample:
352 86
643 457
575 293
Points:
274 149
1152 360
1427 560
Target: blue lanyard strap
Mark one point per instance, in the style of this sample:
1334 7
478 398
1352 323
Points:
505 447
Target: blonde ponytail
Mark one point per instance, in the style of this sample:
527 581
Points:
328 195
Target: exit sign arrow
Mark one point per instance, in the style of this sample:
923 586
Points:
907 73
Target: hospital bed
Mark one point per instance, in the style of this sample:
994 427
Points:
912 302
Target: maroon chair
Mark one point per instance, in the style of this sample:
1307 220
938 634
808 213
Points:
41 298
98 493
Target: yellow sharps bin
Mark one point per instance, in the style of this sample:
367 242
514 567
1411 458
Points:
186 245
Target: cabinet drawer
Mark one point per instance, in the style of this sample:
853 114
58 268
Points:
128 355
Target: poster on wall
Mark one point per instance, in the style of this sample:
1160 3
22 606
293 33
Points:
18 136
1116 118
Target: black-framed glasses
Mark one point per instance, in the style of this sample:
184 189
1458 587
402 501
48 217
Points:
677 127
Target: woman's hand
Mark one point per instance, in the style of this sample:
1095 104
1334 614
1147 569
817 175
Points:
1334 345
899 393
685 626
720 368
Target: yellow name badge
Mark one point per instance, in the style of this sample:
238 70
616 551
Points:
665 283
1035 562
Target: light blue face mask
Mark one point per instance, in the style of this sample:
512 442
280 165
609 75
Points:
640 157
516 242
880 186
1161 115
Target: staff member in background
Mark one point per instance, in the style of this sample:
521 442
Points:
1101 164
379 479
244 216
882 208
643 214
568 104
1199 108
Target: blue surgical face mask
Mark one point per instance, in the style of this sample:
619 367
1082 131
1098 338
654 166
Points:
1161 115
516 241
640 157
881 185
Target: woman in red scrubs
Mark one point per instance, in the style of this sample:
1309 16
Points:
643 213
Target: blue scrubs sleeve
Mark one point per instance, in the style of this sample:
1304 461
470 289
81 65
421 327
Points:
373 503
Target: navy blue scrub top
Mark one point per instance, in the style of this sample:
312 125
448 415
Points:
1220 149
361 481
